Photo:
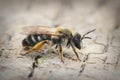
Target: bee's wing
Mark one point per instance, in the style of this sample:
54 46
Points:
31 30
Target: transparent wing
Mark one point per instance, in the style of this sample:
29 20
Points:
31 30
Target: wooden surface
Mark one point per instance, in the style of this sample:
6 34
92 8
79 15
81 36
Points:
100 56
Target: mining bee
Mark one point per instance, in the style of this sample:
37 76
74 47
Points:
38 36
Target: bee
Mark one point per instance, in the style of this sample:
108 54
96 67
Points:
38 36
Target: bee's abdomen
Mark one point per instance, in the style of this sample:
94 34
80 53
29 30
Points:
31 40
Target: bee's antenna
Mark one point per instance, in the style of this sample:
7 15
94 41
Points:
86 34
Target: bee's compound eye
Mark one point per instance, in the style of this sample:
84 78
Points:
76 40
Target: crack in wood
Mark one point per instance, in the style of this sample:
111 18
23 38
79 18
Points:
117 62
105 46
83 64
103 60
34 65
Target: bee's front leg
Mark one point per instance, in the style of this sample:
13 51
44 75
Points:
60 53
75 52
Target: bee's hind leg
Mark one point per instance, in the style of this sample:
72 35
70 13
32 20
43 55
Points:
38 46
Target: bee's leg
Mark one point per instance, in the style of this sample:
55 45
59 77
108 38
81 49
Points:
38 46
75 52
56 46
60 53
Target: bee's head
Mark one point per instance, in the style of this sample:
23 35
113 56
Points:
77 39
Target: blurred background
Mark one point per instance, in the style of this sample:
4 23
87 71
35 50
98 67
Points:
79 15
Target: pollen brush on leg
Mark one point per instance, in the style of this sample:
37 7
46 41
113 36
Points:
38 46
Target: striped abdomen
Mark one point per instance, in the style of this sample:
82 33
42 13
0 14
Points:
31 40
